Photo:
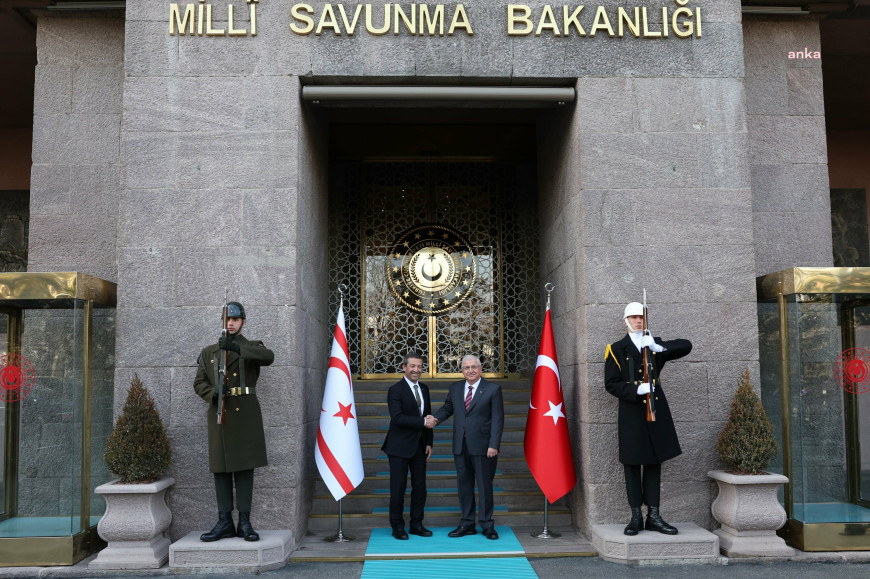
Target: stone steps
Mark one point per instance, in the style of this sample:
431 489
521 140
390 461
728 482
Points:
692 543
518 499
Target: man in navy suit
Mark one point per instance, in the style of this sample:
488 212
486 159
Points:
478 410
409 445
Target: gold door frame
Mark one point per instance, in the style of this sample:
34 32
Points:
12 422
851 417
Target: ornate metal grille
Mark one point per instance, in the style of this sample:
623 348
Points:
493 204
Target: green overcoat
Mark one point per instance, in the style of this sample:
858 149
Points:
239 443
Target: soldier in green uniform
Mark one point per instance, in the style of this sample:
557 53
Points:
238 446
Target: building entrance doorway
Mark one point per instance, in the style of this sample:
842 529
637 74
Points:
438 255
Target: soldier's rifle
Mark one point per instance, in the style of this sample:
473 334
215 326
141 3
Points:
222 378
648 368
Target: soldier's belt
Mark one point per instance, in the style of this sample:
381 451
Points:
240 391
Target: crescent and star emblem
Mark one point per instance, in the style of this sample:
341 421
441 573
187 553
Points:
428 277
431 268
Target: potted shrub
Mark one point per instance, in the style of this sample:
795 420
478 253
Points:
136 518
747 506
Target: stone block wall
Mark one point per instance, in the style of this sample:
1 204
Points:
224 186
76 144
788 151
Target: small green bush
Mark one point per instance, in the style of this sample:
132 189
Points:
138 449
747 444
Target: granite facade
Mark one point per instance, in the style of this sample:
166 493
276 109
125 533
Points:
181 165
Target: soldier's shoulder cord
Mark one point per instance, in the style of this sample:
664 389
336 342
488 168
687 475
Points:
609 352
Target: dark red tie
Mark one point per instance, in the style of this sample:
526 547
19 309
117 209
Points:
468 399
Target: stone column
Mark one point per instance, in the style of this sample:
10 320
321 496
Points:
223 187
650 188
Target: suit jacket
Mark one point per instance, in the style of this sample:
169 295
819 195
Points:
642 442
407 425
483 424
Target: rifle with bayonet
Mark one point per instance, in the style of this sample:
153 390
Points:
222 378
648 369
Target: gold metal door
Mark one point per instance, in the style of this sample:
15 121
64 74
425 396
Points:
423 247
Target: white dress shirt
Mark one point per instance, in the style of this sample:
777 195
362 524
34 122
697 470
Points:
473 389
422 400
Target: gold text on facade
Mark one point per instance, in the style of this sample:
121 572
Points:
200 17
681 21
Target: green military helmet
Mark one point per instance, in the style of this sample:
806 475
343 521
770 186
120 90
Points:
236 310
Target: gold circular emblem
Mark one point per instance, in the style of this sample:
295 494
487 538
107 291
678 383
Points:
431 268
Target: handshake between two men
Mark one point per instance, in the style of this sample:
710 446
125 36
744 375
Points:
478 423
432 422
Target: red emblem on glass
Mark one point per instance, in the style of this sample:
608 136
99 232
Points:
16 377
852 370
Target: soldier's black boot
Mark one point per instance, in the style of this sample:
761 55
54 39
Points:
636 524
246 531
654 522
224 529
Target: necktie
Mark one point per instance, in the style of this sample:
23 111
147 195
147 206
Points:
468 399
419 401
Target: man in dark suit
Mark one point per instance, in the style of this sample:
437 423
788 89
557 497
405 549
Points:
478 410
409 445
642 445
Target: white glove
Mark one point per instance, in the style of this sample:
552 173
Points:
643 389
647 341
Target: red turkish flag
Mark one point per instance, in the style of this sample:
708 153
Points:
547 446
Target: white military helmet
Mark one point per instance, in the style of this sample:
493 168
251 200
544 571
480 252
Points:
632 309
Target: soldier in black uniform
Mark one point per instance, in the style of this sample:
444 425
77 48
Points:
238 445
643 446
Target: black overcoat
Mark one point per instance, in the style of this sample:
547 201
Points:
240 442
642 442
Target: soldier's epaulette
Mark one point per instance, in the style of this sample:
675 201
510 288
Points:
609 352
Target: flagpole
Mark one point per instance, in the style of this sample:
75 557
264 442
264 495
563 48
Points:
545 532
340 537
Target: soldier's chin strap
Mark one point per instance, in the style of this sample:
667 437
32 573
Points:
630 329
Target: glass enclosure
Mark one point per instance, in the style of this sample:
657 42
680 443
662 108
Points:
57 334
814 339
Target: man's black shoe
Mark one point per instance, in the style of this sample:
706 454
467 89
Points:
654 522
490 534
400 534
224 529
420 531
462 531
636 524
